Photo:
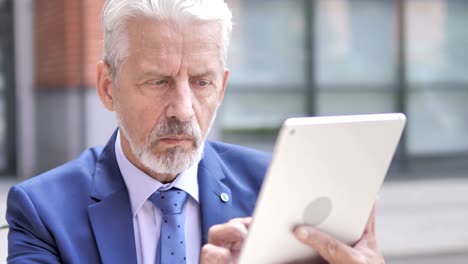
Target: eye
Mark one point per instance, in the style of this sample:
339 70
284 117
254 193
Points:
157 82
160 82
202 83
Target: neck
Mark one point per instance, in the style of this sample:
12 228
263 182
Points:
162 178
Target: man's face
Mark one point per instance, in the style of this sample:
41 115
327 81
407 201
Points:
168 91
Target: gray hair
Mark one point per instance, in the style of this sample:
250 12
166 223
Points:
116 14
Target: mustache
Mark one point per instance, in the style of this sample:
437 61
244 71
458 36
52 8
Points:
175 127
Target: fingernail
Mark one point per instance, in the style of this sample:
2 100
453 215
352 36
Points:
302 233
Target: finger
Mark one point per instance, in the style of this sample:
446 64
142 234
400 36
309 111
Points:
214 254
237 246
244 220
370 227
368 238
228 234
329 248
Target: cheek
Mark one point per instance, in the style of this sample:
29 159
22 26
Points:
205 111
139 116
148 116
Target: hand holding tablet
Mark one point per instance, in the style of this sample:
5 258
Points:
324 176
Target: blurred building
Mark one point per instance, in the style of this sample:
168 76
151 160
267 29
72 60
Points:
51 48
287 58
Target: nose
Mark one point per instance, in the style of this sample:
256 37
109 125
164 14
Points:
180 105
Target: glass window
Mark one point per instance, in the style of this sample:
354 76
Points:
268 109
439 121
437 41
355 51
354 68
355 42
267 44
353 101
267 63
437 77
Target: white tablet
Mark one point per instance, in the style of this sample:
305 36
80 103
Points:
326 172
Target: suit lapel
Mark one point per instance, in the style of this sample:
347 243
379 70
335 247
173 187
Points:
213 209
111 215
112 224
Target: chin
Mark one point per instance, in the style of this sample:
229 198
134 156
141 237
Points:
173 160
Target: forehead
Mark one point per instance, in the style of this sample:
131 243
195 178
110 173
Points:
162 38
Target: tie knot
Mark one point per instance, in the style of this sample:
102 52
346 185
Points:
170 202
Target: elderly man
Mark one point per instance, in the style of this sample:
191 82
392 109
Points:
157 192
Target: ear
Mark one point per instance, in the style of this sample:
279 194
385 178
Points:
105 86
223 89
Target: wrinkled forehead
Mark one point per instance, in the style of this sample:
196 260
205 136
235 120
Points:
168 37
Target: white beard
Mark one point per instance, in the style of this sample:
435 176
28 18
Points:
172 161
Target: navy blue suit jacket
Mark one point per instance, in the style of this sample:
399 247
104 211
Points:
80 212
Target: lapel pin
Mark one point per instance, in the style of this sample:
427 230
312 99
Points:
224 197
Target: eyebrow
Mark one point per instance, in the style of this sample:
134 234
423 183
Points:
197 74
153 74
209 72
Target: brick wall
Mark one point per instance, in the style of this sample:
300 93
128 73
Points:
94 38
68 42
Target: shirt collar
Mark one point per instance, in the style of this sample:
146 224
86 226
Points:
140 185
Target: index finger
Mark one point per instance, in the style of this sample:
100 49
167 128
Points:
243 220
228 234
